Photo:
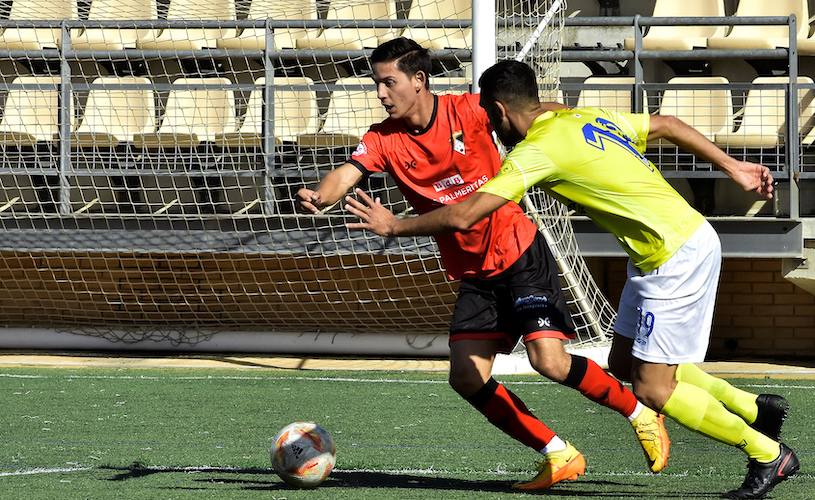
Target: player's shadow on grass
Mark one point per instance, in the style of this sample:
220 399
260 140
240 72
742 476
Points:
371 479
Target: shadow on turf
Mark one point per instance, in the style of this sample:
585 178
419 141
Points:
370 479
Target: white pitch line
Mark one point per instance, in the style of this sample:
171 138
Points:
321 379
42 470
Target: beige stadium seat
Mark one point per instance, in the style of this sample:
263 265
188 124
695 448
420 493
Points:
295 113
116 39
682 37
114 116
617 99
553 95
441 38
37 38
284 38
353 38
193 116
708 111
763 118
764 37
450 85
193 38
350 114
31 115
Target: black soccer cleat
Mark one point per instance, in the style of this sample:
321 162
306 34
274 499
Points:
761 478
772 411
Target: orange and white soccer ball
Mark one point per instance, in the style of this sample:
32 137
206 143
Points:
303 454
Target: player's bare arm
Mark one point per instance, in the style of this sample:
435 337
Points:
750 176
331 189
376 218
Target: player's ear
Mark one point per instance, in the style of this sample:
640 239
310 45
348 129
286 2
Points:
420 80
502 110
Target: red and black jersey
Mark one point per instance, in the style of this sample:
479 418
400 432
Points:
444 164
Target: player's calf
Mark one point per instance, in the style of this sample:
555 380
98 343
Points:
772 412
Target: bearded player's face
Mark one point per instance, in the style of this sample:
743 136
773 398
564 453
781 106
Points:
397 91
503 128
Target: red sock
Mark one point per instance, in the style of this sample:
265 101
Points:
593 382
504 410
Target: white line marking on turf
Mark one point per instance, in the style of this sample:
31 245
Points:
42 470
319 379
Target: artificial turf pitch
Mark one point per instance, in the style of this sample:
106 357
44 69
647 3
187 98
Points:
205 433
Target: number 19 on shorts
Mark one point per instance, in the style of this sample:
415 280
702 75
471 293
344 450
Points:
645 325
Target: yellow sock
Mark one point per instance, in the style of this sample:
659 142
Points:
742 403
699 411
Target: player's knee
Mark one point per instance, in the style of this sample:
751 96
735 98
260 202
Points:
653 396
551 363
465 383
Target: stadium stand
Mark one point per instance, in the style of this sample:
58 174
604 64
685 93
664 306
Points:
193 116
36 38
116 39
763 37
353 38
295 113
709 111
618 99
350 113
762 117
30 114
682 37
113 116
449 85
193 38
440 38
284 38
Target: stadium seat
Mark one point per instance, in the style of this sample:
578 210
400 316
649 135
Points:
116 39
114 116
31 115
682 37
441 38
616 99
763 116
193 116
37 38
295 113
284 38
708 111
193 38
449 85
350 113
764 37
353 38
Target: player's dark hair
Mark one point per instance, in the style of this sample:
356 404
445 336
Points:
510 82
410 57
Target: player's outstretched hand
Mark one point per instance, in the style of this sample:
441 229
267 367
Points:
754 177
309 200
373 216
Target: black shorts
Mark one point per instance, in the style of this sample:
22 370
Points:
525 301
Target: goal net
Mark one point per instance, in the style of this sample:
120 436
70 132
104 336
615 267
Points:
151 153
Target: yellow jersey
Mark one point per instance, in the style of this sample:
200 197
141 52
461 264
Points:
595 158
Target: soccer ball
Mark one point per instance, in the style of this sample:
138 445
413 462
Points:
303 454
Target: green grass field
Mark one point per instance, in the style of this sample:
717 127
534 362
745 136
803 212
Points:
179 433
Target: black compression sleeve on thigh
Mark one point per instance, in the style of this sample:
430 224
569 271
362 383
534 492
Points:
577 371
484 394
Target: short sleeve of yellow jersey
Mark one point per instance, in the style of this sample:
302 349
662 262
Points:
523 167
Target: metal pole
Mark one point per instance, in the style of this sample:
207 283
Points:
65 111
792 121
268 122
636 102
484 41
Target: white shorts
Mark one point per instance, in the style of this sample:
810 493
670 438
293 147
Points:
668 312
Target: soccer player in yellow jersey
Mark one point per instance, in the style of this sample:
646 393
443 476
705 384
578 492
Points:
594 158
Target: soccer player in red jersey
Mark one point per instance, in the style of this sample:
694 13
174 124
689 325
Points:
439 149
